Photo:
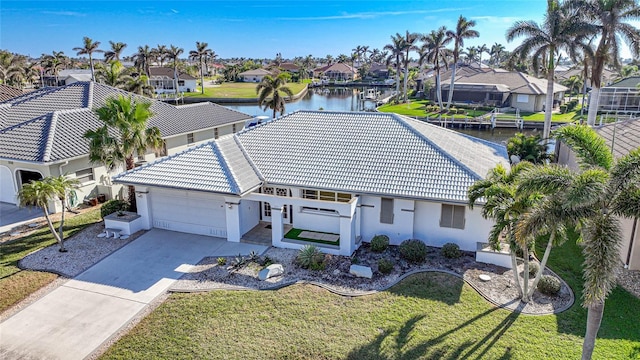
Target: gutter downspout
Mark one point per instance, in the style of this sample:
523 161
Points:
633 236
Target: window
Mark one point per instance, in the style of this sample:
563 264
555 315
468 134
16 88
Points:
84 176
452 216
522 98
233 128
386 211
190 139
307 208
180 82
267 209
215 133
325 195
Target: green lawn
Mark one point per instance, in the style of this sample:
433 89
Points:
417 109
17 284
295 235
427 316
570 116
238 90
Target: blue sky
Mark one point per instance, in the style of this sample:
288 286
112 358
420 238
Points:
255 29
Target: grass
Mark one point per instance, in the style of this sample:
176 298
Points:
569 116
295 235
17 284
426 316
238 90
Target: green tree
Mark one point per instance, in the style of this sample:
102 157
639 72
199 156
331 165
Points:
174 53
574 83
114 53
270 92
200 53
463 31
481 49
139 85
600 192
496 53
53 63
142 59
612 24
396 49
434 50
125 134
562 29
113 74
89 47
39 193
410 40
528 148
160 54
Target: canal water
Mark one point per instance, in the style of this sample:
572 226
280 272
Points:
354 99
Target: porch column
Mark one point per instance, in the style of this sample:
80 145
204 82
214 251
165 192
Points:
144 207
277 228
232 209
347 235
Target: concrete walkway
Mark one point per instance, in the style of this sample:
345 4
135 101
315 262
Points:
12 216
76 318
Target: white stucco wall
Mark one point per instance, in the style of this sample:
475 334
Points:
400 230
316 220
427 227
249 215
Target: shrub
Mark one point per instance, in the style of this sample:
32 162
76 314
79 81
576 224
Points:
549 285
310 257
533 269
451 251
563 109
379 243
385 266
112 206
222 261
413 250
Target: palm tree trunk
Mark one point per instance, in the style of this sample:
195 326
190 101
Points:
397 77
202 75
525 282
594 318
543 263
438 90
593 105
61 226
53 230
516 277
451 84
548 106
130 163
175 79
93 78
406 81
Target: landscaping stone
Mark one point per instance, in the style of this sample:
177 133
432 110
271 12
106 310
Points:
336 272
271 271
361 271
484 277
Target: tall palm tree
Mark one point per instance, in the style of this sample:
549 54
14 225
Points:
63 187
89 47
270 91
200 53
54 63
481 49
562 29
174 53
463 31
604 190
410 40
329 59
39 193
125 134
139 85
574 83
471 54
434 50
612 24
114 53
396 49
113 74
142 59
495 53
160 54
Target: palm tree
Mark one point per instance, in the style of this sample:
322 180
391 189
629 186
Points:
602 190
471 54
329 59
54 63
434 51
142 59
612 24
410 40
139 85
113 74
574 83
114 53
124 134
562 29
39 193
63 187
463 31
89 47
396 49
482 49
174 53
528 148
200 53
160 54
495 53
270 91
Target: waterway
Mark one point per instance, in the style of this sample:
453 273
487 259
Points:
350 99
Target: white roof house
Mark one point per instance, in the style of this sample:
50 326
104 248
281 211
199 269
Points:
352 174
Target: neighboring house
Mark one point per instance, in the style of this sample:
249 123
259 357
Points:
162 80
8 92
254 75
565 73
501 88
380 71
41 134
351 174
67 77
622 137
622 97
290 67
336 72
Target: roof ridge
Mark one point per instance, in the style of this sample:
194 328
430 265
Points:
235 188
90 96
246 155
46 156
400 119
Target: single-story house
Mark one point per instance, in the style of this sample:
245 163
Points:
41 134
353 175
622 97
622 137
290 67
254 75
67 77
380 71
336 72
162 80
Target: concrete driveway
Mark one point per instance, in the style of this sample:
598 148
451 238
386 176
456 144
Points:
12 216
77 317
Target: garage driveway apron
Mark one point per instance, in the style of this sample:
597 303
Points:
76 318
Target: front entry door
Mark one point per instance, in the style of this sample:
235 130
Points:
266 207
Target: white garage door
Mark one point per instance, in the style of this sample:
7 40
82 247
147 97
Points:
7 186
190 212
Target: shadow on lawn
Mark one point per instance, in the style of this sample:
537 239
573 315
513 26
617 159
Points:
434 348
435 286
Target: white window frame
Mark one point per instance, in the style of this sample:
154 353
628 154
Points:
91 175
324 195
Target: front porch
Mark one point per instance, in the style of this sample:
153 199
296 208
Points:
261 234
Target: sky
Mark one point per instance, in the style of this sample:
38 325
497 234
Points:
250 29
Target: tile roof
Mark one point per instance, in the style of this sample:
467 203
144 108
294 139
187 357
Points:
216 166
629 82
337 68
8 92
517 82
165 72
255 72
60 116
624 136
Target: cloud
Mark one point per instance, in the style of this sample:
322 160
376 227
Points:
369 15
175 11
497 19
63 13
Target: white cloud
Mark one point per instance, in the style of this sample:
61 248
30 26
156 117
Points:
496 19
369 15
64 13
